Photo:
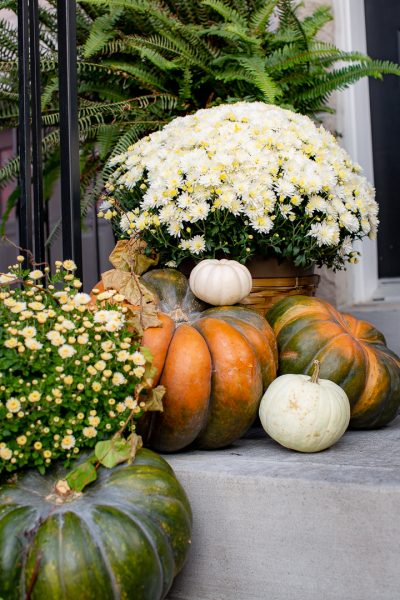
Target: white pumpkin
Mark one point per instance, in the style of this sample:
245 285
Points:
305 413
220 282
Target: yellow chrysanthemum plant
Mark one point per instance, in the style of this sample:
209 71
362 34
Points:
241 180
72 371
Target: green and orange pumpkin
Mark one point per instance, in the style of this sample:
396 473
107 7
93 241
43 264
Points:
353 354
126 536
214 363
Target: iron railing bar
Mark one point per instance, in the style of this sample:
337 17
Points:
37 164
69 133
96 238
24 132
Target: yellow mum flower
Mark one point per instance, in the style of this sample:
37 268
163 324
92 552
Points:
18 307
68 442
21 440
29 332
13 405
5 453
69 265
37 445
36 305
11 343
66 351
89 432
36 274
34 396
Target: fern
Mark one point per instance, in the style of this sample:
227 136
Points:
102 31
144 62
260 18
228 13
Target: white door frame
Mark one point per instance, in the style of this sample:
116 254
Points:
354 124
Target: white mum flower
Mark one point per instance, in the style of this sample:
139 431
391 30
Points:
198 211
326 234
66 351
197 244
68 442
33 344
36 274
81 299
138 358
349 221
262 224
29 332
13 405
18 307
126 221
118 379
7 277
89 432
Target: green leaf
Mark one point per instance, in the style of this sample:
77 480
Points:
113 452
146 353
81 476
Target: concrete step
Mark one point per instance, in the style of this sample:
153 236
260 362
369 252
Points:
271 524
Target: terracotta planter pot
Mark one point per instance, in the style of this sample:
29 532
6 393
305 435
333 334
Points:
273 281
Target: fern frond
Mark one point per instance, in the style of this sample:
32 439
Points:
157 59
101 32
146 77
233 33
227 13
107 138
259 20
317 54
9 171
289 23
8 41
313 23
342 78
256 69
48 92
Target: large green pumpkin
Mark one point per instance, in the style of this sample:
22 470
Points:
125 537
352 353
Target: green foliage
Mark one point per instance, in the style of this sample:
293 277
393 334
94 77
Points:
71 373
144 62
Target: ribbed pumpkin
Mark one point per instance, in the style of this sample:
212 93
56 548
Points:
214 365
352 353
126 536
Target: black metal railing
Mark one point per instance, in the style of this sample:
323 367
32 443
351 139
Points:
32 224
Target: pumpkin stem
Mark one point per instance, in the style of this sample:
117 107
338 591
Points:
315 373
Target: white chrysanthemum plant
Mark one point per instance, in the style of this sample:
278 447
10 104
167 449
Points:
242 180
72 370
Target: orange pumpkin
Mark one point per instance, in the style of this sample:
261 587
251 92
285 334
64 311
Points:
352 353
215 365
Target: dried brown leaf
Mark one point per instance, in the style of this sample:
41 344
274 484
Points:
129 255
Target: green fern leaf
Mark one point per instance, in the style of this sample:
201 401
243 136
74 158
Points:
227 13
256 68
259 20
342 78
101 32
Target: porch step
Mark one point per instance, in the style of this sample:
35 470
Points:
271 524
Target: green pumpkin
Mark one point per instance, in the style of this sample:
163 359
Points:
125 537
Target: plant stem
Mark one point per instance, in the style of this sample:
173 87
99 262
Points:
315 373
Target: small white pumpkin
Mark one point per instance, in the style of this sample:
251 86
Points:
305 413
220 282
